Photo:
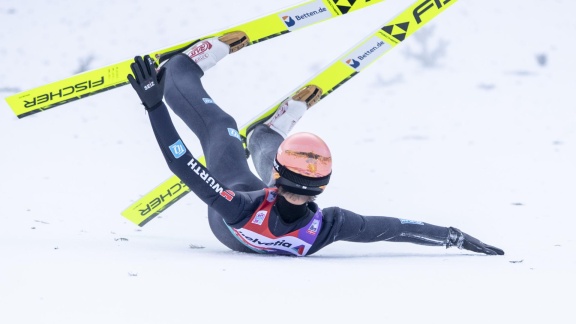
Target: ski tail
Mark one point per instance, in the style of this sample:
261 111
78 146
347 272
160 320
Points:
333 76
112 76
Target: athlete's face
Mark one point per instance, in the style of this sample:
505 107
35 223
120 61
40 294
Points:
296 199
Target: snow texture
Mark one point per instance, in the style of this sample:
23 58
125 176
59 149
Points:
472 125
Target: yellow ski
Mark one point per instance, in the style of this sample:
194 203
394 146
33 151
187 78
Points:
99 80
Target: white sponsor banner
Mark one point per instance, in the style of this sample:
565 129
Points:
305 15
366 53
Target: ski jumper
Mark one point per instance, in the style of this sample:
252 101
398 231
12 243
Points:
235 196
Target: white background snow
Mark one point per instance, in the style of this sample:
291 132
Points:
483 140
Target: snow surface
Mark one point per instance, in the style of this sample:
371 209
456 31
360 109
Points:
482 138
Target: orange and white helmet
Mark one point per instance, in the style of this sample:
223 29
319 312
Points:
303 164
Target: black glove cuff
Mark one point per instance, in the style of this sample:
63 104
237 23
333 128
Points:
155 106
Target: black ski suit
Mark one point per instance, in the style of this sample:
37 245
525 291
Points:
230 189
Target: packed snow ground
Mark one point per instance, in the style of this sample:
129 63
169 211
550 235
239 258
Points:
481 137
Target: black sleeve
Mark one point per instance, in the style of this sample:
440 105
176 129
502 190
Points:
351 227
181 162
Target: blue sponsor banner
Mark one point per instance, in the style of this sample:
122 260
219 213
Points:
408 221
234 133
178 149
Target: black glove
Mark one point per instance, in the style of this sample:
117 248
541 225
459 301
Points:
148 84
464 241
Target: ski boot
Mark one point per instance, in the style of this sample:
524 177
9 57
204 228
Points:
206 53
292 109
281 122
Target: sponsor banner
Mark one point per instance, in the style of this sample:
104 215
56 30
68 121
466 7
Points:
260 216
409 221
366 53
234 133
178 149
305 15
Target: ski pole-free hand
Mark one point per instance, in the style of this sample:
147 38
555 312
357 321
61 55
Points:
148 84
464 241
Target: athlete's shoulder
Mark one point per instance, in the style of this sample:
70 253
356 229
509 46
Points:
337 213
247 203
255 197
332 210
